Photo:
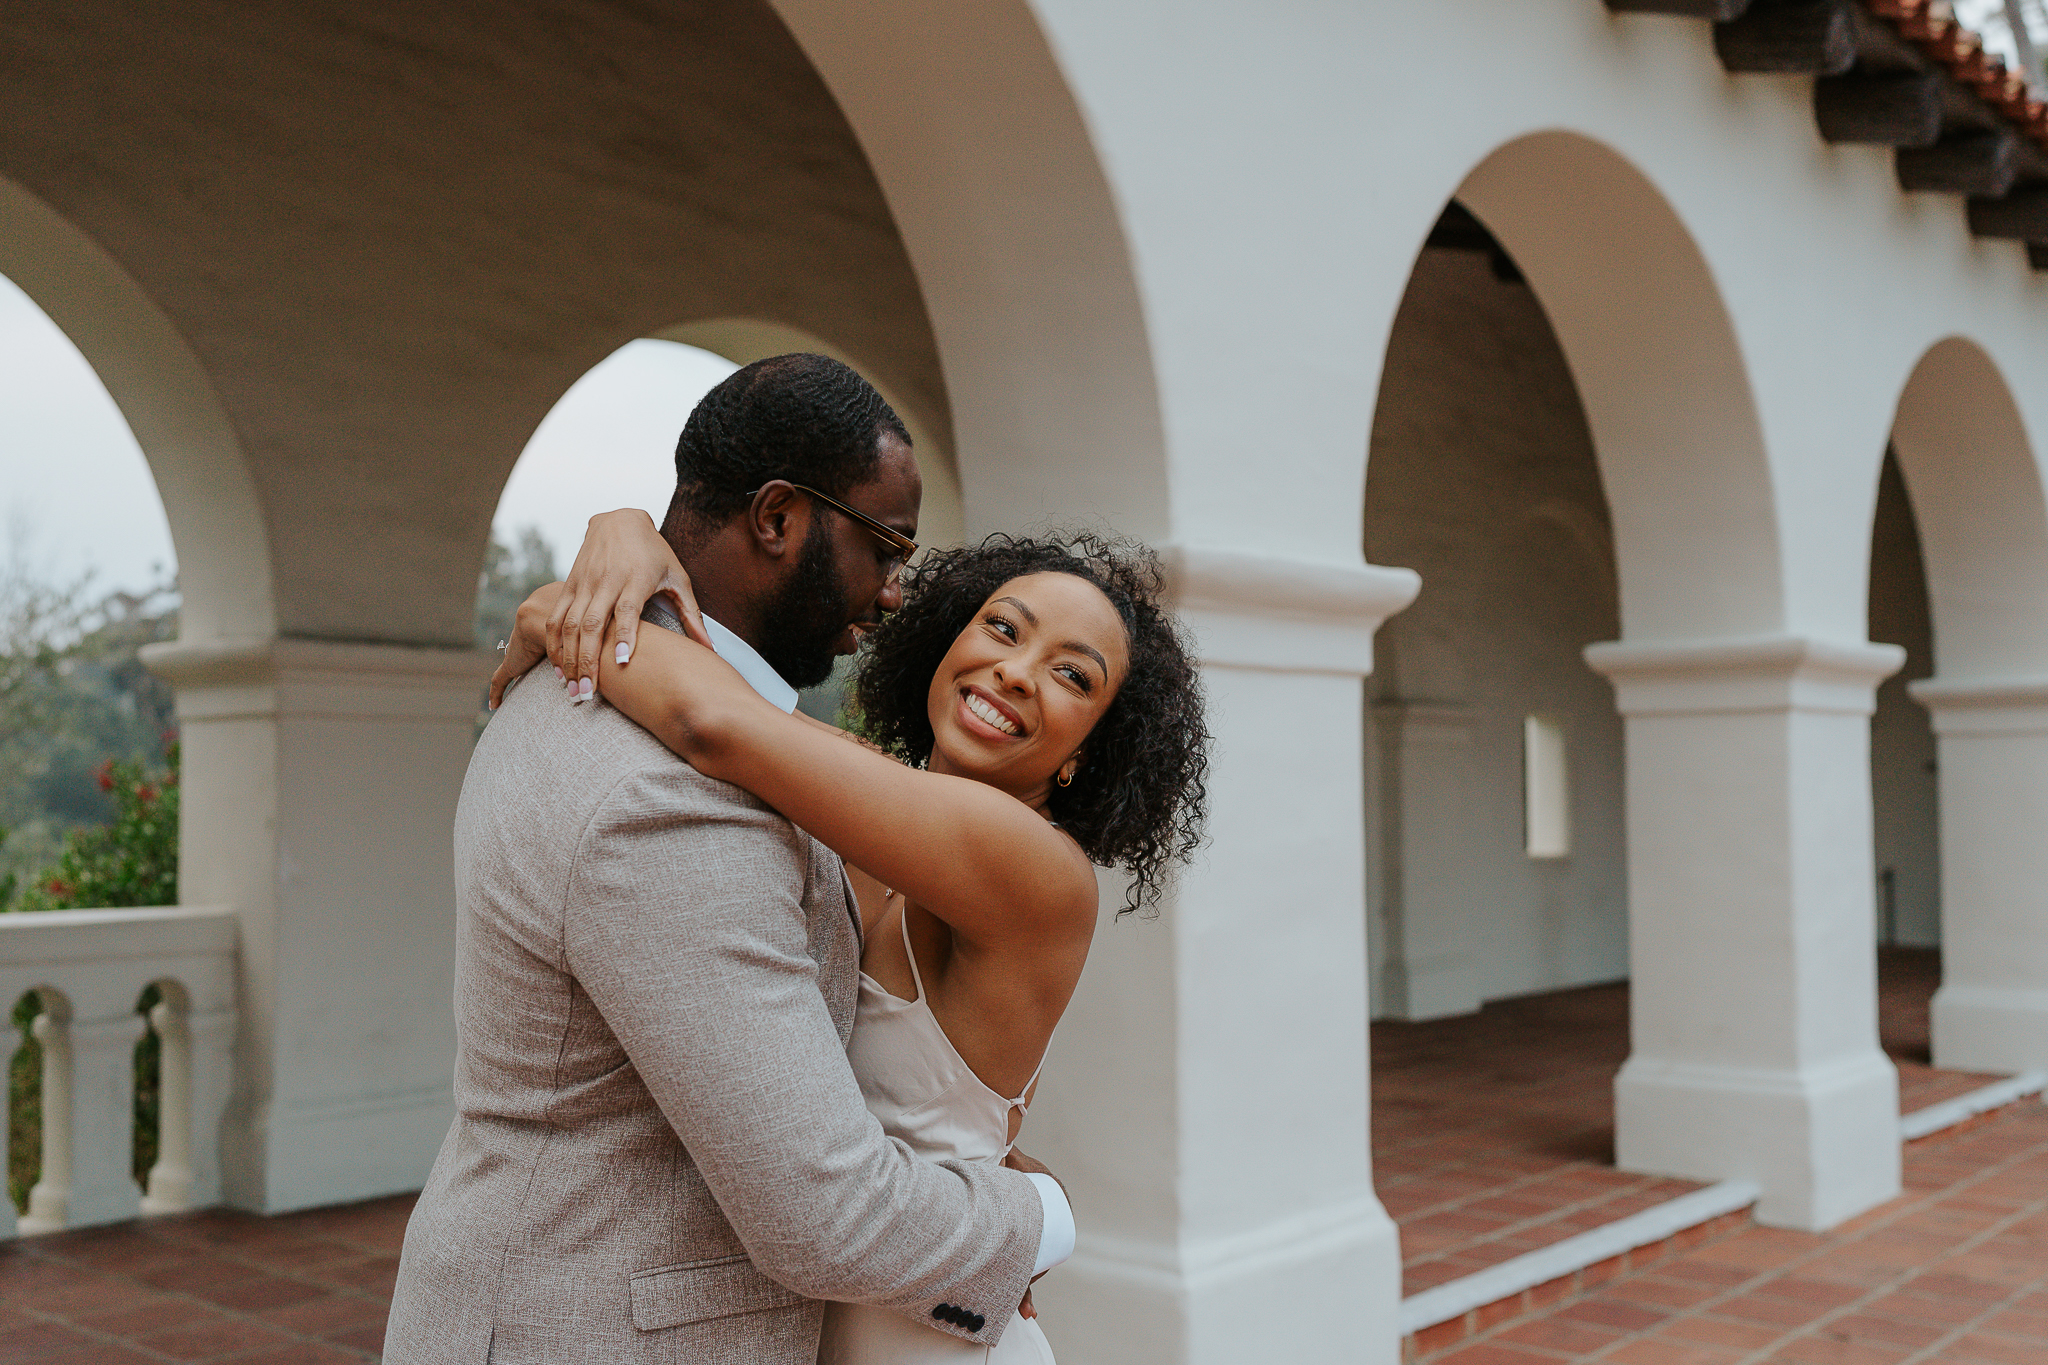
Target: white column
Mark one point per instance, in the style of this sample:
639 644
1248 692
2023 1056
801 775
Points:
1430 969
1754 1048
1991 1013
1207 1096
320 787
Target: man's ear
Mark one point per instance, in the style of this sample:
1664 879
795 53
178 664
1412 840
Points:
778 518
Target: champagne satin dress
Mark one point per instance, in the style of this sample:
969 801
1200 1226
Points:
923 1091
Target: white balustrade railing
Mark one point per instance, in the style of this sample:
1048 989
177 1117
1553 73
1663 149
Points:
90 967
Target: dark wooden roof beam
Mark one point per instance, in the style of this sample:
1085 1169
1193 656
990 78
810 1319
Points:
1895 109
2021 216
1791 37
1962 107
1881 47
1975 163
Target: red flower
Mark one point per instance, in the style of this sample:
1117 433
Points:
145 793
106 775
58 887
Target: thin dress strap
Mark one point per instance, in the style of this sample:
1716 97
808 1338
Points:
1023 1100
917 978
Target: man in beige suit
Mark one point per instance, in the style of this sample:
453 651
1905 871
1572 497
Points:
660 1153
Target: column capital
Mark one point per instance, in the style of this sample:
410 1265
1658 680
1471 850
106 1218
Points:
1276 612
284 676
1751 674
1984 706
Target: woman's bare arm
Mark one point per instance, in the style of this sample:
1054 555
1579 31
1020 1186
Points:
985 863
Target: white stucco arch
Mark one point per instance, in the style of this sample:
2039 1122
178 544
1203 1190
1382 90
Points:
194 452
1975 486
1662 378
1011 226
1976 492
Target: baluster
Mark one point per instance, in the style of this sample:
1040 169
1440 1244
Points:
170 1179
49 1200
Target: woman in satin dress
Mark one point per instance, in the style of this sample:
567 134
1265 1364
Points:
1030 713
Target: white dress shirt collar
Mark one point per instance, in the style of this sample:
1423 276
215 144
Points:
743 657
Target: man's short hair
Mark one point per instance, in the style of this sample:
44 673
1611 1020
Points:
805 418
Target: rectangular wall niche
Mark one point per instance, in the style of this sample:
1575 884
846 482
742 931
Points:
1546 803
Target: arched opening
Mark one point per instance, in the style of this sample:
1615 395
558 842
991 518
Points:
1969 473
88 578
1905 824
150 374
1496 858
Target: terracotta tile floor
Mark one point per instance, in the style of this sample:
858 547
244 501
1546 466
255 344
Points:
1493 1134
1955 1271
307 1288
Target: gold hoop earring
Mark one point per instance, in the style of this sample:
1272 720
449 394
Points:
1066 779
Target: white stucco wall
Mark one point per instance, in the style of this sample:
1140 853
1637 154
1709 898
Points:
1482 479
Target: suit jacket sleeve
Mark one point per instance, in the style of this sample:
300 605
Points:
690 937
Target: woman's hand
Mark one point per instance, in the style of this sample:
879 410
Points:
529 642
692 700
622 563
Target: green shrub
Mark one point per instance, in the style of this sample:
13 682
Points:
133 860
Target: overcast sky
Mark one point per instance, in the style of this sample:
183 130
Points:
609 442
76 493
74 489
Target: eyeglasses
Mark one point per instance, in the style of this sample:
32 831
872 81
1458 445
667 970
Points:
903 545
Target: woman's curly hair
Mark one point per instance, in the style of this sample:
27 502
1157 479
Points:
1139 797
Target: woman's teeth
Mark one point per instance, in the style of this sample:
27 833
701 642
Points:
989 713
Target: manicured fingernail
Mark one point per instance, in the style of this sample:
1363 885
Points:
589 688
558 675
623 653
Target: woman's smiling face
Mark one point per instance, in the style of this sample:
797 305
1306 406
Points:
1017 694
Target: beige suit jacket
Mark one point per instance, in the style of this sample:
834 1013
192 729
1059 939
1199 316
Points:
659 1152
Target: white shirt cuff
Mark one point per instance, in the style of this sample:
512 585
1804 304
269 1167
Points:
1056 1243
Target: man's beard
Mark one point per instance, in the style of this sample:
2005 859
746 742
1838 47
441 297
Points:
804 619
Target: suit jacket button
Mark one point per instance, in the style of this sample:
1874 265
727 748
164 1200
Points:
978 1323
